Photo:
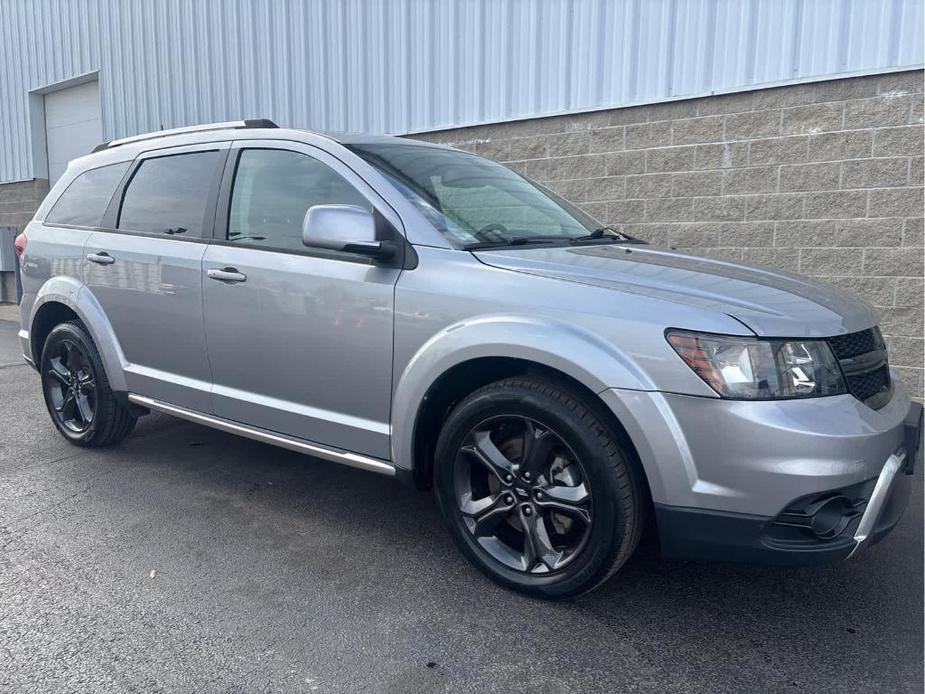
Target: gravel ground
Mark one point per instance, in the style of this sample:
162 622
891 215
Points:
188 560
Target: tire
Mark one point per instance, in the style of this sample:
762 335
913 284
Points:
81 403
585 519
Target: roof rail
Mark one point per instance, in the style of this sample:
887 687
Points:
232 124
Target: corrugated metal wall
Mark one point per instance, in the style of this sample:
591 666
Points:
401 66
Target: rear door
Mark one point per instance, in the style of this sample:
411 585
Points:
300 341
145 270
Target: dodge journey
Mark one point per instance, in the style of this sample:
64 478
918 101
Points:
423 313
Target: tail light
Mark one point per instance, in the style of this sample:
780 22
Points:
19 245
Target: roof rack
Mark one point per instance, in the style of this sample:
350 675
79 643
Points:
232 124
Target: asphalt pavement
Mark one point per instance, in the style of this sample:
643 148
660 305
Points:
189 560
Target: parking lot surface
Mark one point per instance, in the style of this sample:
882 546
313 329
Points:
188 560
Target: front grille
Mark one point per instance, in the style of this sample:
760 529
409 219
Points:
863 359
853 344
866 386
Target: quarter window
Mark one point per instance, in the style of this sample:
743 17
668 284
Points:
167 195
274 188
85 201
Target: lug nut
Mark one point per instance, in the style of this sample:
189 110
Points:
539 495
528 511
508 478
509 499
526 475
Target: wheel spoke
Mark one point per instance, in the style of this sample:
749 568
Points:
85 382
486 452
571 501
537 545
68 400
73 358
538 444
59 371
84 409
486 512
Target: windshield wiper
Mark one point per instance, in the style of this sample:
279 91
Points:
605 234
516 241
602 234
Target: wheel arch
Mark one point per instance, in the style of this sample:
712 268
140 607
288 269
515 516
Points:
467 356
469 376
65 298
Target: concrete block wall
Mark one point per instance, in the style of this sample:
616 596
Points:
824 179
18 202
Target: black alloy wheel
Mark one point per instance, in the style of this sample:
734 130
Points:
71 386
82 405
538 488
522 493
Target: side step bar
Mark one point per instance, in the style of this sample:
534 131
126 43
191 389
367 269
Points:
352 459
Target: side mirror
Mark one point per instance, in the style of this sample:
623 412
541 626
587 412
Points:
346 228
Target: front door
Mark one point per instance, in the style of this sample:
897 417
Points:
146 271
299 339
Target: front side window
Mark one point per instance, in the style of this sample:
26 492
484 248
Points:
167 195
85 201
273 190
474 200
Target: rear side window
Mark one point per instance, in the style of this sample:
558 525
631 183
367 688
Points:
167 195
85 201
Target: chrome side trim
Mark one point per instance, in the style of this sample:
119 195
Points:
875 505
345 458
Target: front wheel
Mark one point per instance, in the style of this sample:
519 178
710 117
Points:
535 488
77 393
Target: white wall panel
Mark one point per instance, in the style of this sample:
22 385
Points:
73 125
401 66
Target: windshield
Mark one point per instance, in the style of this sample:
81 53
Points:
475 201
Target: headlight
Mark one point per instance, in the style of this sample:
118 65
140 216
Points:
745 368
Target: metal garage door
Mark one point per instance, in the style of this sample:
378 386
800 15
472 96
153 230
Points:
73 125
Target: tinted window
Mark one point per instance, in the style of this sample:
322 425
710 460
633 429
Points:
86 199
167 195
272 191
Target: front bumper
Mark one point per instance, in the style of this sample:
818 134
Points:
759 481
813 529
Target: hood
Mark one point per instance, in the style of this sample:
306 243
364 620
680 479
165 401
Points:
771 303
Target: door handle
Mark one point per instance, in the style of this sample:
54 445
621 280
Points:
226 274
101 258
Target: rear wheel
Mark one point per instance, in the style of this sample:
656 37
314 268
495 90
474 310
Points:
77 393
536 489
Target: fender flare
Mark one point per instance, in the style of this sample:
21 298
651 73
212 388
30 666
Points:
564 347
77 297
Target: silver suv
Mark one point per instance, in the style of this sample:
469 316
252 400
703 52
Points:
423 313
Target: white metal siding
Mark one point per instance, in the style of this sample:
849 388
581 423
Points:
402 66
73 125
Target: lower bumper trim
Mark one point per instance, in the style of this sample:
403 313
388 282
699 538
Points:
698 534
